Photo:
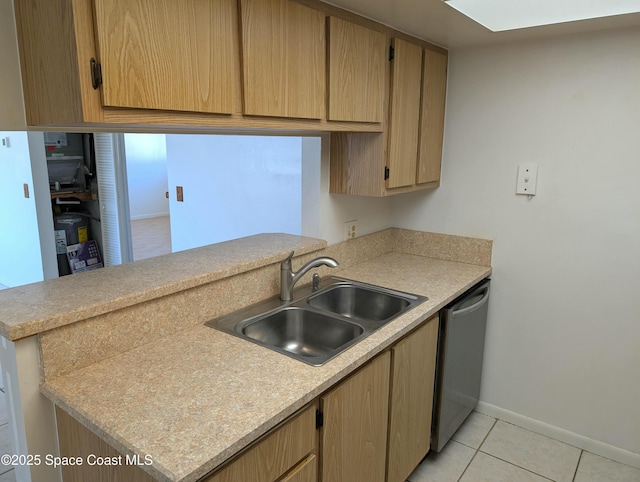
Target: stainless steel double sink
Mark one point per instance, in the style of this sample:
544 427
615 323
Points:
318 325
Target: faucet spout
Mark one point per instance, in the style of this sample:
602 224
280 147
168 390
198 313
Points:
288 278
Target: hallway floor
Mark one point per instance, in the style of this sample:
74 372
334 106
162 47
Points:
150 237
488 450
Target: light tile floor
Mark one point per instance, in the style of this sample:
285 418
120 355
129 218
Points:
486 449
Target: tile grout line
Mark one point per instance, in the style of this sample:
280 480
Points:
532 471
541 434
575 473
506 461
524 468
468 465
516 465
9 470
495 422
478 449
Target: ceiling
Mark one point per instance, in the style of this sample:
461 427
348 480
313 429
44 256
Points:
436 22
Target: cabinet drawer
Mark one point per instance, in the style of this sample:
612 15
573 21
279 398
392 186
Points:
276 454
305 471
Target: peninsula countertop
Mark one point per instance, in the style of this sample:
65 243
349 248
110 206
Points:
192 400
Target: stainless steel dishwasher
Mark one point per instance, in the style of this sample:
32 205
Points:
459 362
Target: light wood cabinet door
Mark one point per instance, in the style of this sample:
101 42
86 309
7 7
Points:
168 54
305 471
434 92
357 66
75 440
354 435
406 75
413 372
283 59
412 152
276 454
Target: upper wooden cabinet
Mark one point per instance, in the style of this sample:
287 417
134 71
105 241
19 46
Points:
169 55
205 64
357 72
283 59
407 155
434 93
405 113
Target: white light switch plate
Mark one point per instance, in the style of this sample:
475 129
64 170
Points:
527 179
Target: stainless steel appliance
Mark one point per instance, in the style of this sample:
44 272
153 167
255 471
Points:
459 362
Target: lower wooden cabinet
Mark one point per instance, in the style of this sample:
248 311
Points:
412 382
290 449
288 453
75 440
305 471
375 428
377 423
354 432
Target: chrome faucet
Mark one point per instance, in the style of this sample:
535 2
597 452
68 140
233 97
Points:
288 278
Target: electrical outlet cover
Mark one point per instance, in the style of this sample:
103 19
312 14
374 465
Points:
350 229
527 179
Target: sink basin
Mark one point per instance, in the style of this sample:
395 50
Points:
318 325
354 301
302 332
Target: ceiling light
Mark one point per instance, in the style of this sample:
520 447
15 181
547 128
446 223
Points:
499 15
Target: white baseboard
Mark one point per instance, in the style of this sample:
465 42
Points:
580 441
148 216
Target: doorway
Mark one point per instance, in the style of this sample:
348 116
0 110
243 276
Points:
147 188
232 186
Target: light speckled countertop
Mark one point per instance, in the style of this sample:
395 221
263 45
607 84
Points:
38 307
194 399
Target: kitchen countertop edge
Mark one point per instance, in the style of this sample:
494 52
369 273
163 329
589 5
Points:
56 311
345 364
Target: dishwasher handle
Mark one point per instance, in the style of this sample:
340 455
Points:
482 291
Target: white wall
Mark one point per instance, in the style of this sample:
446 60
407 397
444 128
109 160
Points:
563 341
324 214
41 194
234 186
21 246
147 175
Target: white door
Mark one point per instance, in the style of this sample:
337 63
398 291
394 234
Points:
233 186
114 198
